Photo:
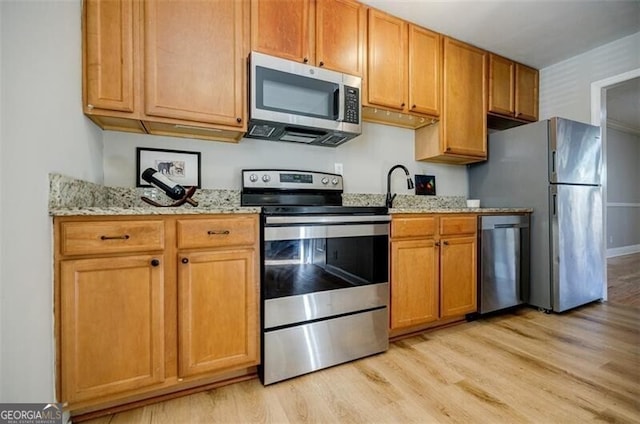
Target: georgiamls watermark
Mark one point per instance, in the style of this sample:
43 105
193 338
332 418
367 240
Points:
30 413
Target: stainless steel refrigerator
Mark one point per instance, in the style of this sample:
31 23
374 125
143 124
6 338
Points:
553 166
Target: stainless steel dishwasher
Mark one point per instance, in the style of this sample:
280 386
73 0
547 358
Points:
503 274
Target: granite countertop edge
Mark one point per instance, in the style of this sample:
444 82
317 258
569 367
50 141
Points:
120 211
459 210
116 211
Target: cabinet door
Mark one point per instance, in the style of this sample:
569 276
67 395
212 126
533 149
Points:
414 283
526 93
424 71
196 61
109 54
458 276
387 61
217 311
281 28
501 85
112 325
464 102
340 35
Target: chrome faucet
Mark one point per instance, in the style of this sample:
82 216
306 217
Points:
410 185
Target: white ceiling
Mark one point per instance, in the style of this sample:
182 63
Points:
537 33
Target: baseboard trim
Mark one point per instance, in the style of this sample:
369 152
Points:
624 250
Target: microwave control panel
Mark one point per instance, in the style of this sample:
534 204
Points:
351 105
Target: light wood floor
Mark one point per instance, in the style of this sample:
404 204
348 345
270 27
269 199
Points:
623 278
527 366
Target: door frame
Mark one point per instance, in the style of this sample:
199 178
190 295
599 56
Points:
599 118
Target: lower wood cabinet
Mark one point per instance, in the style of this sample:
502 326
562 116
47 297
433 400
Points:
112 325
150 305
217 310
433 268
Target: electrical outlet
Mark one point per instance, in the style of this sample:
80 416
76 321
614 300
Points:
337 168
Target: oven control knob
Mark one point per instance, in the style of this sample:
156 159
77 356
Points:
266 178
334 181
253 178
325 180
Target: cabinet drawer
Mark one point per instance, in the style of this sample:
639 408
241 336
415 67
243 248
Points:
419 226
217 232
83 238
451 225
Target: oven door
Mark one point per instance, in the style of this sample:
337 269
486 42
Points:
316 267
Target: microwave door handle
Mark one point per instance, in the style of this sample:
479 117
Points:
338 101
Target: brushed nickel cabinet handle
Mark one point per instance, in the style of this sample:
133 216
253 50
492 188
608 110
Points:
218 232
123 237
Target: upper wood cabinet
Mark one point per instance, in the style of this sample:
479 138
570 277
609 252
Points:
165 67
403 72
387 61
282 28
425 68
324 33
526 93
111 64
195 61
513 89
460 135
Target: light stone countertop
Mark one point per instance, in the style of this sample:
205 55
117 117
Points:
151 210
72 197
481 211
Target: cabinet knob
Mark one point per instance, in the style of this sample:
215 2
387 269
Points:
238 120
305 60
321 63
437 244
185 260
402 105
446 243
413 106
448 149
155 262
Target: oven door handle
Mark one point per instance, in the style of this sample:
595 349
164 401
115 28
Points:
302 232
326 219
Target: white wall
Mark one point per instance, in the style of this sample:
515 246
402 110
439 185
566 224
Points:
366 160
43 130
565 88
623 194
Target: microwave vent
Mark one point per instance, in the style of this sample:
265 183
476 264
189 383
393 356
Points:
261 130
334 140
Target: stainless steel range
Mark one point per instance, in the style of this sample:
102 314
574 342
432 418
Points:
325 273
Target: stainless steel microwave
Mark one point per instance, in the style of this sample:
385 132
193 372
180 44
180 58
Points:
291 101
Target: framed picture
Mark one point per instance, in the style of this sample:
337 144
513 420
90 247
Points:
179 166
426 185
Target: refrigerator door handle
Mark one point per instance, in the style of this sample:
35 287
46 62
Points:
555 204
553 163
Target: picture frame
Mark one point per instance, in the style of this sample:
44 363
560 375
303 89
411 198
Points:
180 166
425 185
